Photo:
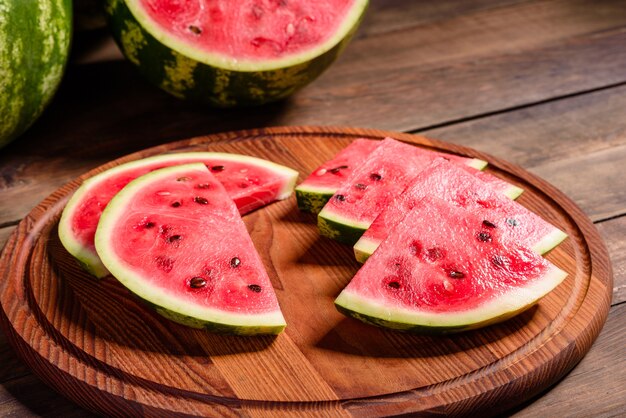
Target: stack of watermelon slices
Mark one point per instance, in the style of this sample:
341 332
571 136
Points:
169 228
445 246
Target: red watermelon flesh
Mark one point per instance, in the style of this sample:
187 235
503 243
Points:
323 182
248 29
313 193
434 272
370 188
251 182
176 239
454 184
495 183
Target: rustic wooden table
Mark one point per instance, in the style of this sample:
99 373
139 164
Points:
539 83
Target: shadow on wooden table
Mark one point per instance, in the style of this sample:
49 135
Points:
107 110
353 337
108 313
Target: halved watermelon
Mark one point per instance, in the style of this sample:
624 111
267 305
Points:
452 183
232 53
370 188
175 238
435 272
251 182
313 193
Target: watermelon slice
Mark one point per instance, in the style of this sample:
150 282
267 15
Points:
231 53
313 193
450 182
175 238
251 182
435 272
384 174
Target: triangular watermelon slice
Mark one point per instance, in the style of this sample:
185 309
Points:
251 182
370 188
175 238
455 184
434 272
313 193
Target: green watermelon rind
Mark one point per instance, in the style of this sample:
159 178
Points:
343 229
180 311
339 228
313 199
499 309
89 259
35 38
187 72
549 242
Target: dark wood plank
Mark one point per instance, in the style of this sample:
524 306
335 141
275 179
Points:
578 144
395 15
29 397
614 234
595 181
12 367
597 386
548 132
4 234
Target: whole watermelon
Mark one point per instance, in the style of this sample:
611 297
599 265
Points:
34 44
232 53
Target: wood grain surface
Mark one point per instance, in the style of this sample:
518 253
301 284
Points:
95 344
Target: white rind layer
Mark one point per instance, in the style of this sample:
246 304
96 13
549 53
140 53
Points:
500 308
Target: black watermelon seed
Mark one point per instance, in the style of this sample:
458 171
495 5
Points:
197 282
360 186
376 176
336 169
201 200
174 238
512 222
415 248
164 263
217 168
183 179
434 254
150 225
196 30
394 284
497 260
456 274
483 236
235 262
340 197
175 204
255 288
488 224
203 186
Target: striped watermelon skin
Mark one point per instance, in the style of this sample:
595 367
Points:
187 78
34 45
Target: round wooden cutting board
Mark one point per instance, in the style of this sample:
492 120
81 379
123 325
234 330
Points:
94 343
